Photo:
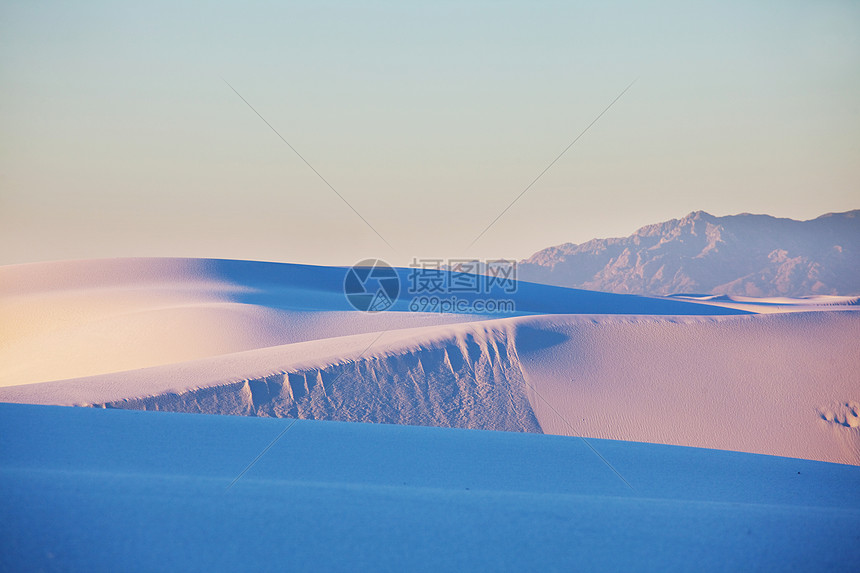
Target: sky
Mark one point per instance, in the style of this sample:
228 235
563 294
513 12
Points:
119 134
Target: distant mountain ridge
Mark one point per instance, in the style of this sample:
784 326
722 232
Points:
751 255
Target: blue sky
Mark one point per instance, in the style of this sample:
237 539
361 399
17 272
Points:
119 137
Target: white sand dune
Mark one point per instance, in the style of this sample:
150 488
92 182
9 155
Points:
69 319
111 490
79 318
772 383
776 304
208 336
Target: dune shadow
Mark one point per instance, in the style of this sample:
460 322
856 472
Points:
531 339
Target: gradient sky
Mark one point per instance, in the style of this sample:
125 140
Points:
118 136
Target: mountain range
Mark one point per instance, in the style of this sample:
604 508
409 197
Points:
746 254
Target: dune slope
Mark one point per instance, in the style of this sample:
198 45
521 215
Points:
661 371
97 490
69 319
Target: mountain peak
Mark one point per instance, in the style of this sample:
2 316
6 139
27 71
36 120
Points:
698 216
708 254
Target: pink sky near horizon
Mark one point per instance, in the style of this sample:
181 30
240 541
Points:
121 139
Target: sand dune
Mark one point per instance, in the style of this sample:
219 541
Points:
775 304
175 492
80 318
190 336
69 319
750 383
